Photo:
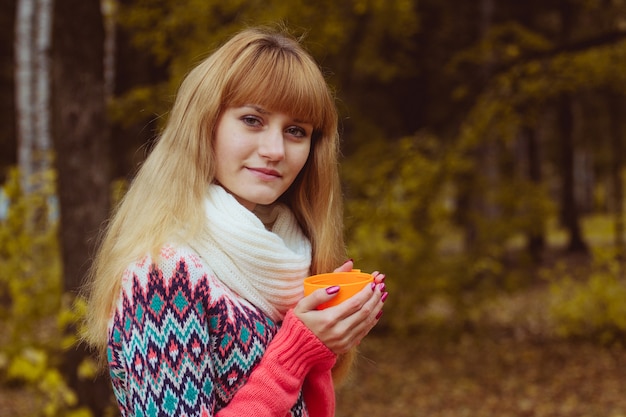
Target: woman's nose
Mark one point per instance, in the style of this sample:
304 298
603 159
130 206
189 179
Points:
271 145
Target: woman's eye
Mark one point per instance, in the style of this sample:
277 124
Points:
296 131
251 120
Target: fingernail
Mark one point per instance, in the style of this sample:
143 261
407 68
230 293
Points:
380 313
381 277
332 290
373 286
349 260
384 297
381 287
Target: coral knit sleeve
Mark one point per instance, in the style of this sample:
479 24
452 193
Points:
295 359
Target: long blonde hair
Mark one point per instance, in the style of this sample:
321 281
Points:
259 66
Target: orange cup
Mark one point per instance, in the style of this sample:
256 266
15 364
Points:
350 283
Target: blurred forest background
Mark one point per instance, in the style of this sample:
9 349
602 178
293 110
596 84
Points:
483 166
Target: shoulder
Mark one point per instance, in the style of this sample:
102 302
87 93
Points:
171 263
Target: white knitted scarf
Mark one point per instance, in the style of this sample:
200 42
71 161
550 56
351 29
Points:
266 267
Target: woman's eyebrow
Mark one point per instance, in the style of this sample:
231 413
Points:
258 109
262 110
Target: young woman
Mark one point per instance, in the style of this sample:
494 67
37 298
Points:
196 292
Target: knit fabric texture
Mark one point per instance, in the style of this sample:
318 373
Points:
266 267
181 343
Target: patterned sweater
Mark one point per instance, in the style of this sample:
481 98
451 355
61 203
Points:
183 344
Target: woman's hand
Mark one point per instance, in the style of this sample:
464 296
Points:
342 327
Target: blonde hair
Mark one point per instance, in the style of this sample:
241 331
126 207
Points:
256 66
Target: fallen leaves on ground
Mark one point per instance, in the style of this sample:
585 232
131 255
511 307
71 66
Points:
483 376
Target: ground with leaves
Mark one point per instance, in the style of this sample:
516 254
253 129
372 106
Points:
484 376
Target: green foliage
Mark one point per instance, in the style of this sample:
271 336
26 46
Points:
527 74
33 315
593 307
350 38
515 218
504 44
182 32
29 260
397 210
401 213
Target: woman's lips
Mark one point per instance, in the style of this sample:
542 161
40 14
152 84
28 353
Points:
265 173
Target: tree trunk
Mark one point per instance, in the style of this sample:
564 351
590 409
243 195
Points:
617 148
477 199
8 118
570 213
81 131
488 153
32 75
109 10
81 141
536 238
25 111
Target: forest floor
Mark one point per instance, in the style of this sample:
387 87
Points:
484 377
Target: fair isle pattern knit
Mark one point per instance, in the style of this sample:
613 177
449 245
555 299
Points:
181 343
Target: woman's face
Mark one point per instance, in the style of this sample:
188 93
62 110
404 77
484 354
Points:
259 152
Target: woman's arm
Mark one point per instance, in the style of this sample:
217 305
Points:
274 386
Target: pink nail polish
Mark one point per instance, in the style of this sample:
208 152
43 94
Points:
373 286
349 260
380 313
332 290
384 297
381 287
381 277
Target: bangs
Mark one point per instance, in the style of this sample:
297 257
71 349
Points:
280 80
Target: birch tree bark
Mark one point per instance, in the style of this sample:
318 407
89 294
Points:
32 75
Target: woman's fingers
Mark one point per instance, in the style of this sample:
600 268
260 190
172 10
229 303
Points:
353 319
346 266
356 303
379 278
362 321
317 297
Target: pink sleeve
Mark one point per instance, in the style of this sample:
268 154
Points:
274 386
319 394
